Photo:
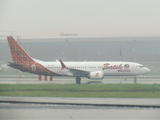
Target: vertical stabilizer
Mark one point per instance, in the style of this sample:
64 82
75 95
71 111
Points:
19 56
23 62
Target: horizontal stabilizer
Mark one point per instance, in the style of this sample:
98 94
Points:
14 64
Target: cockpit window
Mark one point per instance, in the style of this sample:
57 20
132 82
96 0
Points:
141 66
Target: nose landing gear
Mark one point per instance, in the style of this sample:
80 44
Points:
135 80
78 80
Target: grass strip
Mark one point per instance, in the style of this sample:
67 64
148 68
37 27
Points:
97 90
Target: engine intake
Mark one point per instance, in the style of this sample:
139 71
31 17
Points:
96 75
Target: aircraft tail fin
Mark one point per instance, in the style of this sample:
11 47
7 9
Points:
19 56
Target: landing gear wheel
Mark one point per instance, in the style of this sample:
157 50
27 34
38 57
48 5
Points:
78 80
135 80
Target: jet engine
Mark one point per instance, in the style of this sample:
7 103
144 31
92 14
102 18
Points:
96 75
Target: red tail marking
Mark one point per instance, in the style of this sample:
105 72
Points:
19 53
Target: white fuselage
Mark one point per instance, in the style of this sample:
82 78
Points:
109 68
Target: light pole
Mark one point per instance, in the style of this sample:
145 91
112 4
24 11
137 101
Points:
134 45
120 56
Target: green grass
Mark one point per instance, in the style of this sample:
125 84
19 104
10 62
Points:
104 91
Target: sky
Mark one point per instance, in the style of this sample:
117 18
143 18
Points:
49 18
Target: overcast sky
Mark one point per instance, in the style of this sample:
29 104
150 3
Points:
84 17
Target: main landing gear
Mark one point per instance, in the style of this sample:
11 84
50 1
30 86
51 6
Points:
78 80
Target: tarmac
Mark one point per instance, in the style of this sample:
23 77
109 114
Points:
118 102
13 79
59 108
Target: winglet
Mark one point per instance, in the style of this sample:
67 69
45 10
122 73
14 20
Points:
63 65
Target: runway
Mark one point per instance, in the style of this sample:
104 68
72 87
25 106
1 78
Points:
13 79
20 111
121 102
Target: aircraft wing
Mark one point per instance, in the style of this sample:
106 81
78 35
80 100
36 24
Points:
75 72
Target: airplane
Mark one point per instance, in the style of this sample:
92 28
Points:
92 70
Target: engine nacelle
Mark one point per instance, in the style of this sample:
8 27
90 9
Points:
96 75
